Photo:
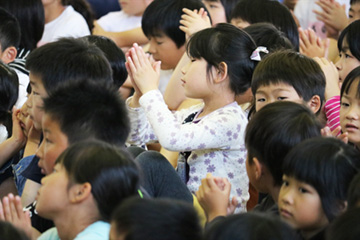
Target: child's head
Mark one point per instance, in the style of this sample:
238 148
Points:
220 10
9 232
30 14
345 227
349 111
139 218
249 226
290 76
354 11
70 117
9 36
95 168
114 55
9 91
269 138
247 12
227 50
160 23
317 174
61 62
349 49
267 35
134 8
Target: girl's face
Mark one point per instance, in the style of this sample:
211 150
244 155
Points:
52 197
300 205
216 10
350 114
347 61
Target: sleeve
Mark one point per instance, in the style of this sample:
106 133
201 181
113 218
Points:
175 136
332 112
50 234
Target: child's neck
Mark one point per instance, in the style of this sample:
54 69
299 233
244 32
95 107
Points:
213 103
53 11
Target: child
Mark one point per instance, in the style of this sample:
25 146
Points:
349 112
268 139
249 226
290 76
152 219
220 10
247 12
203 133
317 174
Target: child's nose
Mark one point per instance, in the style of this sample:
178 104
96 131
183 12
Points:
338 65
152 49
286 197
353 113
40 151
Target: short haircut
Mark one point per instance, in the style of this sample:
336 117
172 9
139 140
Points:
267 35
351 34
86 110
255 11
354 2
352 77
110 170
226 43
269 137
68 60
9 30
114 55
152 219
292 68
9 92
30 14
164 16
353 195
250 226
345 227
228 7
328 165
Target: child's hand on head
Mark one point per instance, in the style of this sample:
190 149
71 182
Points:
332 87
144 73
214 199
194 21
312 45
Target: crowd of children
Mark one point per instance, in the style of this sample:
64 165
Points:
212 119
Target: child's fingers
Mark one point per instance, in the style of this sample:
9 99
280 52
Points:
189 12
14 213
7 210
2 215
131 66
18 206
312 36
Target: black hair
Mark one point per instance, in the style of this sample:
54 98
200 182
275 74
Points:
249 226
299 71
68 60
114 55
255 11
9 30
351 34
267 35
226 43
353 195
9 92
110 170
328 165
269 137
228 7
352 77
30 14
9 232
164 16
345 227
158 219
84 8
354 2
85 110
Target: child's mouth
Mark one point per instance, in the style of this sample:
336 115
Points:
284 213
351 127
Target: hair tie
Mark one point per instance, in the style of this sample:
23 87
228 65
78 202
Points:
255 56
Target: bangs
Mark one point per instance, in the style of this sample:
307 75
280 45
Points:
351 78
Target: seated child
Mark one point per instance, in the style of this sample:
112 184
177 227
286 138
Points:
317 175
151 219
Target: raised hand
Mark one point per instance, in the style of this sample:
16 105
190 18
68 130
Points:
312 45
194 21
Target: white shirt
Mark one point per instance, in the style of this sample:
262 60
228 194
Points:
119 22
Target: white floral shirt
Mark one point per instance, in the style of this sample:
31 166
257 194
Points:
216 141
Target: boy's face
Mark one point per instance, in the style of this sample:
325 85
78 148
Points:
35 103
216 11
53 144
134 7
165 50
275 92
354 12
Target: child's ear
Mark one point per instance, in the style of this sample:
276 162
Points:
315 103
258 168
221 72
80 192
343 206
9 55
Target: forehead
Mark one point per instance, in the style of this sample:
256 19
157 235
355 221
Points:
279 86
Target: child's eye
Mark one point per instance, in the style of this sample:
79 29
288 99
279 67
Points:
303 190
213 6
260 100
47 140
193 60
344 104
350 16
159 43
35 93
285 183
347 56
281 98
